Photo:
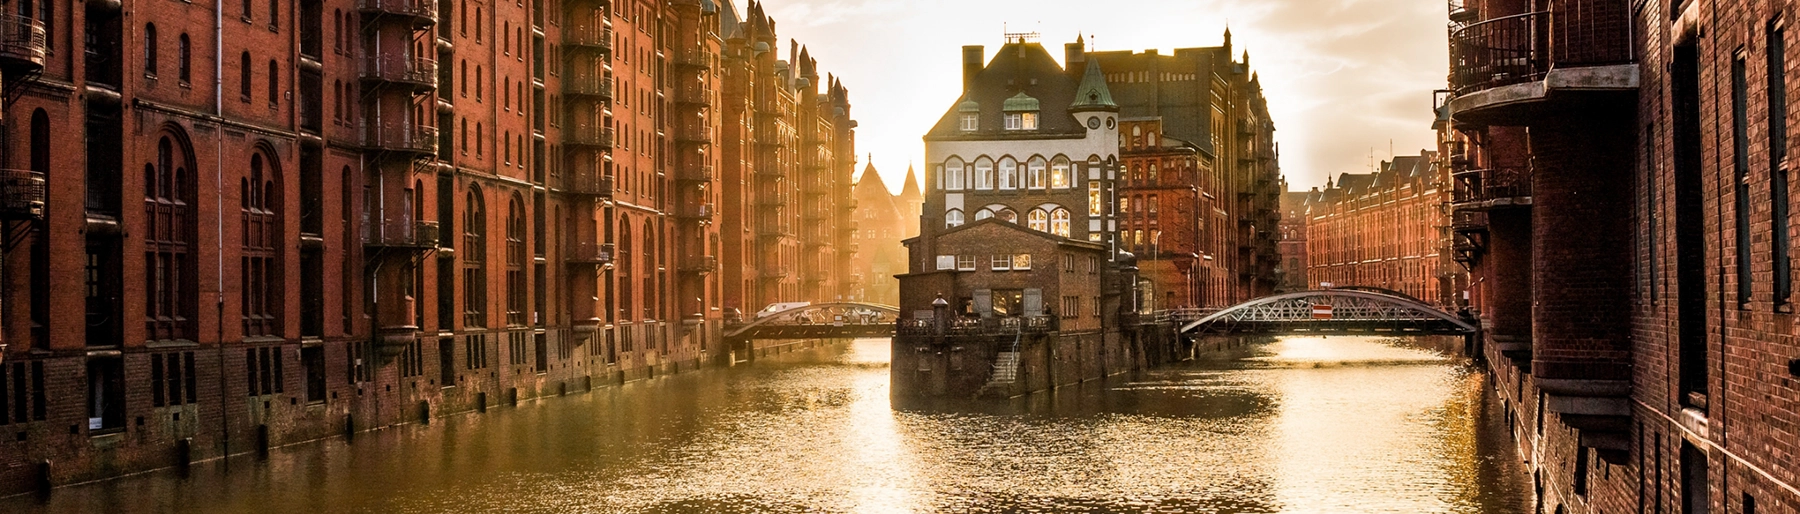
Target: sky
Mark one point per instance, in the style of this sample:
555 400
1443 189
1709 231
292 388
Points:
1345 79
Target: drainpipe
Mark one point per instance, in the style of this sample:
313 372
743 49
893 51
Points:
219 220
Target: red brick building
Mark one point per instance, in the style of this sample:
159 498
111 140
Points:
1384 229
296 218
1622 197
1293 246
883 219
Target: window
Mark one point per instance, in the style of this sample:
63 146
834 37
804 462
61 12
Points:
1039 220
984 178
475 347
274 83
262 371
1015 121
169 278
259 200
106 394
1022 262
1071 306
1000 262
983 214
1034 176
955 180
1153 204
1009 171
1094 199
473 254
1059 173
244 77
184 64
1068 263
1059 222
946 262
150 49
1007 215
1029 121
953 219
312 359
1695 493
965 263
971 122
172 379
274 14
1782 245
515 262
1096 306
1740 118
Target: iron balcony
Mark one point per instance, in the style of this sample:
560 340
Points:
702 173
701 264
402 235
588 85
588 135
1491 188
417 73
401 138
588 184
22 194
589 254
695 212
23 44
592 36
420 12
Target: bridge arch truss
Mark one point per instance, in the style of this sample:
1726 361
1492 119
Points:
1350 311
820 321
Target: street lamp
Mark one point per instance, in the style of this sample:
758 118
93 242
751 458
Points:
940 309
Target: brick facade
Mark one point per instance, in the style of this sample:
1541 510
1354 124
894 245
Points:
375 212
1384 229
1628 242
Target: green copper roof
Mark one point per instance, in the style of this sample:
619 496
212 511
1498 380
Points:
1021 102
969 106
1093 93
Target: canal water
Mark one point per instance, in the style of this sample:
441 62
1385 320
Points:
1304 425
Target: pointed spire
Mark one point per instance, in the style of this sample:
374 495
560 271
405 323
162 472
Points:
1092 94
910 192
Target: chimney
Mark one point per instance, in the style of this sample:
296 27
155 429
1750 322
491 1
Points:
1074 57
974 57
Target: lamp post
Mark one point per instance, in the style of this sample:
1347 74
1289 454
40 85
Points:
940 309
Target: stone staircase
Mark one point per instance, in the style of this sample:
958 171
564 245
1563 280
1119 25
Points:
1006 368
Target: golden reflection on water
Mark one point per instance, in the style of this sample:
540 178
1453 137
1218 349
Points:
1297 425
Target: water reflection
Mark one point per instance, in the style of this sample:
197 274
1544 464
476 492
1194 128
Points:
1297 425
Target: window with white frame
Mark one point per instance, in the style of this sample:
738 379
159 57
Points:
1015 121
1059 222
1094 198
984 177
1021 262
954 180
1034 175
965 263
1059 173
1009 173
946 262
983 214
953 219
971 122
1028 121
1039 220
1000 262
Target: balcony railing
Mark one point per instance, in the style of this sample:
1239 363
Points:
401 138
776 272
21 194
702 173
981 326
590 85
424 11
695 212
588 135
775 230
1468 221
588 184
590 35
402 234
416 72
699 264
1492 185
589 254
1524 47
23 42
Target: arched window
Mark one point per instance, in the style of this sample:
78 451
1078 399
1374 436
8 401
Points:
1039 220
984 177
150 49
1059 222
244 76
515 262
956 177
953 219
184 62
474 256
260 272
627 264
1007 215
652 265
983 214
1009 172
1060 177
1034 175
172 295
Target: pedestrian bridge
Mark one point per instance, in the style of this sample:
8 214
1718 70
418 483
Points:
1330 311
819 321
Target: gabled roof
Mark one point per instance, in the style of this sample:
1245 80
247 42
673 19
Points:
910 193
1020 228
1017 69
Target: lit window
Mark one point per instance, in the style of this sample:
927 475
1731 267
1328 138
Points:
1029 121
1039 220
1022 262
1059 222
1094 198
1059 173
